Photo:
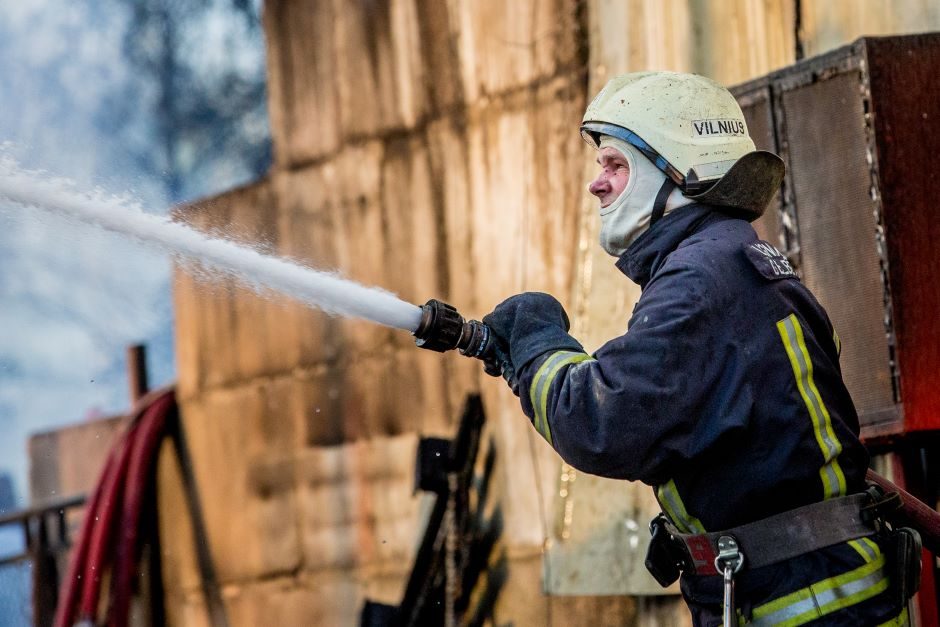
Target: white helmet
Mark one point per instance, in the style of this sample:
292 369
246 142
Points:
693 130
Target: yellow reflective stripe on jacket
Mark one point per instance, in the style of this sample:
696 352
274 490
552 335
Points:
833 479
837 341
866 548
668 496
901 620
542 383
824 597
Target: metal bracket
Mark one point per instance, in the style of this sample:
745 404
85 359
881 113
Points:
729 556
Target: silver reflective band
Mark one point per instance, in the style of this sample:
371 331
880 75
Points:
542 383
824 597
866 548
831 475
668 495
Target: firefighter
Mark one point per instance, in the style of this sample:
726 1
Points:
725 393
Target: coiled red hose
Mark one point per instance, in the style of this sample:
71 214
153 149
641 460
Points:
119 496
140 483
69 595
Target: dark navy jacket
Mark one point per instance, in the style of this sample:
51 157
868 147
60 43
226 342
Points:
725 394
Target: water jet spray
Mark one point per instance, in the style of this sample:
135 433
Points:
436 325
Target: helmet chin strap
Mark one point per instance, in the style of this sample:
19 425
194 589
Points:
662 196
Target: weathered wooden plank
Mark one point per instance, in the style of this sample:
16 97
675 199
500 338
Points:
828 25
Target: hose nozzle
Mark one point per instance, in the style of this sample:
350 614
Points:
443 329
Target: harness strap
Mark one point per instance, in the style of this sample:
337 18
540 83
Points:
781 536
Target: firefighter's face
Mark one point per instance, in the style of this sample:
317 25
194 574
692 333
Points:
613 176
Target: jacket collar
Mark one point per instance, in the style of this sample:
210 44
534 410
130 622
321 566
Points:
645 256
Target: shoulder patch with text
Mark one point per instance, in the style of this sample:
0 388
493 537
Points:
769 261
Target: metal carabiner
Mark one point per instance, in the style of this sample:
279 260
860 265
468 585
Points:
729 562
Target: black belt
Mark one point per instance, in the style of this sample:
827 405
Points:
777 538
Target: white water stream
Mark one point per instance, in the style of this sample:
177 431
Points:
314 288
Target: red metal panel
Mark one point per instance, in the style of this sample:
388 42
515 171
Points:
906 111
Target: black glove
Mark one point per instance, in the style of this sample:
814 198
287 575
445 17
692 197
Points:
496 363
529 325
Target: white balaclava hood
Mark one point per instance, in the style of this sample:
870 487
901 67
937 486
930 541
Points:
628 217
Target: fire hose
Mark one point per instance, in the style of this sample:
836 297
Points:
912 512
109 544
108 538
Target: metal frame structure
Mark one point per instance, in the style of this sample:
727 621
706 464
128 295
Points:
47 540
457 573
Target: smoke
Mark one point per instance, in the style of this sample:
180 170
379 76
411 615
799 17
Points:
74 297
